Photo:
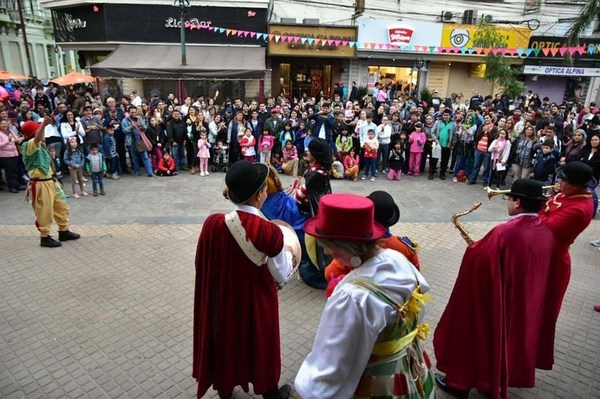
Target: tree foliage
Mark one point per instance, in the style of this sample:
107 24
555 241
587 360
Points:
590 12
497 67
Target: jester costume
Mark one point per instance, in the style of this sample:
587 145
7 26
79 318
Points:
368 341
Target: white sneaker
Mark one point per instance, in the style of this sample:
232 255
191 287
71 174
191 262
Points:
202 174
455 180
363 178
205 173
595 243
372 178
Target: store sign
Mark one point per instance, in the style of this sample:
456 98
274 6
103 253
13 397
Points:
560 71
556 42
193 23
330 45
455 35
113 22
401 34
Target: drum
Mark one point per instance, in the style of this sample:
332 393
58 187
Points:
291 244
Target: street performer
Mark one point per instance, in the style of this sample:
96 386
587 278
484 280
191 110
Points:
45 192
236 315
566 214
491 335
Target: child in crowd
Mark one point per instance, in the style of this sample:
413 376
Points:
300 136
74 160
545 162
500 149
287 134
405 150
337 167
110 153
417 141
265 144
247 143
56 165
308 138
220 153
344 143
204 152
96 167
351 162
370 147
290 159
396 162
166 165
277 162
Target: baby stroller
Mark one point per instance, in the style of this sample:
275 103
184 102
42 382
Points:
220 160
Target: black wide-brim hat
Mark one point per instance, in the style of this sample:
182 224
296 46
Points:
320 151
244 179
577 173
387 212
527 188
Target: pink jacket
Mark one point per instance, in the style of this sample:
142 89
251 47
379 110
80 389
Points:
417 141
8 148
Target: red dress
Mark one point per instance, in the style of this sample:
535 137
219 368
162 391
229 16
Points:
236 315
567 217
489 335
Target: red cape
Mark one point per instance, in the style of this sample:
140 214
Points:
566 217
489 334
236 315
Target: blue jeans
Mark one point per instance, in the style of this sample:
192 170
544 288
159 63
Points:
370 165
135 161
178 152
383 154
114 165
481 158
97 180
464 158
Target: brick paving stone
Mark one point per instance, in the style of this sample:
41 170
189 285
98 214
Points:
120 325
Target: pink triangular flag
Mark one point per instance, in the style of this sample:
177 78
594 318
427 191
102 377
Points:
337 43
562 51
572 50
546 51
554 51
344 42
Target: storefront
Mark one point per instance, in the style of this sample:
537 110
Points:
140 46
547 75
301 66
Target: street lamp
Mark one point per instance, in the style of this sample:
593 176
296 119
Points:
183 6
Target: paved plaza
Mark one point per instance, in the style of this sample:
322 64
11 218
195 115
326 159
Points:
110 315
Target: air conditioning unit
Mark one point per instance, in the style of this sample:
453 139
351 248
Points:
310 21
487 19
446 16
469 17
288 21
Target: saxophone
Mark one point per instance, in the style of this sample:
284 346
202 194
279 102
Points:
463 232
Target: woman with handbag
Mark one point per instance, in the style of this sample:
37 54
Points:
141 147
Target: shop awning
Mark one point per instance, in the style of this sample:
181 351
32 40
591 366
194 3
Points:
163 61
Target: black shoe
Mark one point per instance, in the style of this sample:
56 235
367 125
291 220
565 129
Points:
471 182
49 242
21 188
442 176
440 380
13 190
281 393
430 177
67 236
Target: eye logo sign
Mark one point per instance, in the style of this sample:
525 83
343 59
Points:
459 37
401 35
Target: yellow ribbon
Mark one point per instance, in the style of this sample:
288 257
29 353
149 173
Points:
389 348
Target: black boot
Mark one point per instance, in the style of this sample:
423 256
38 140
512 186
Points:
430 175
440 380
67 235
442 176
279 393
49 242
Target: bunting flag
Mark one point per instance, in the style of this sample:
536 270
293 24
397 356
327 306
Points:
411 48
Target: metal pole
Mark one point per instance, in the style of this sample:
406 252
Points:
25 41
182 30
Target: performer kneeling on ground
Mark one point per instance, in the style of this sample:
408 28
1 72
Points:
368 341
45 192
236 315
491 335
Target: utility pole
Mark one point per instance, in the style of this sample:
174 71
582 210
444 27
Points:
183 5
25 41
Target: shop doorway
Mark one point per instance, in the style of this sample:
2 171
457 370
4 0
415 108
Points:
385 75
314 80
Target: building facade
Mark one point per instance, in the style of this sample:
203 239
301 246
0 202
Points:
45 60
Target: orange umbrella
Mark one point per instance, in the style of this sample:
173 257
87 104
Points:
5 75
73 78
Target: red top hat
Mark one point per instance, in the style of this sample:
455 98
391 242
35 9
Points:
345 217
29 129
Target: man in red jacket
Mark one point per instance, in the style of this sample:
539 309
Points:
491 334
236 315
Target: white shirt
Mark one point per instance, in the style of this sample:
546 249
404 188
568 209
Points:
351 323
280 265
137 101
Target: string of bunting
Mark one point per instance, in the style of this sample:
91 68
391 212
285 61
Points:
514 52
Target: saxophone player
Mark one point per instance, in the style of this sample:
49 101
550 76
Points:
490 332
